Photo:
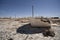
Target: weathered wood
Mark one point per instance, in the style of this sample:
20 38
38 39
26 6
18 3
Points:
39 23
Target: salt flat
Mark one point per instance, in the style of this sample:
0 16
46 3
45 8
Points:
8 31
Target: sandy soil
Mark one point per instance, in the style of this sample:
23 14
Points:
9 30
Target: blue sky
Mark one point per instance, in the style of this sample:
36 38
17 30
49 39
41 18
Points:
23 8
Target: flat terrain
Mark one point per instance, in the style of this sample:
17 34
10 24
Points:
11 29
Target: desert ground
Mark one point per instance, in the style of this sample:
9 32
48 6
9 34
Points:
14 30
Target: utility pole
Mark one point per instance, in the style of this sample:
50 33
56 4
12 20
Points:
32 11
32 8
15 15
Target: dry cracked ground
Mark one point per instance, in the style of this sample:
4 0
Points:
14 30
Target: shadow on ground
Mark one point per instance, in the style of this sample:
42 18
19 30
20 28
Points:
27 29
